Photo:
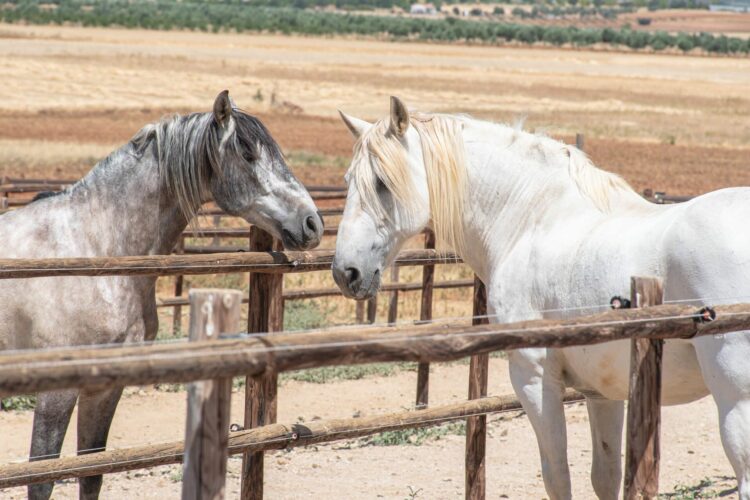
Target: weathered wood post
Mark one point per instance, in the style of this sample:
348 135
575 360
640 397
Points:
644 401
360 312
476 427
372 309
393 302
178 284
425 314
216 241
212 312
579 141
264 314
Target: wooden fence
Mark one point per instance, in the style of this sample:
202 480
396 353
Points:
261 357
424 343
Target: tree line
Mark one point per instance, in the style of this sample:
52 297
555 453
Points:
168 14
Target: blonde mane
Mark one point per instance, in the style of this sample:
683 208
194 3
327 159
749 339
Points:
445 166
444 161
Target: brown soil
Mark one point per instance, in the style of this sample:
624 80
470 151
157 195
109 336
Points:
677 169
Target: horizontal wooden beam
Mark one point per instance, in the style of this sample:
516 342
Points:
171 265
314 293
270 437
218 211
106 367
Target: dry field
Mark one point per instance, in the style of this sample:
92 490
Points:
69 95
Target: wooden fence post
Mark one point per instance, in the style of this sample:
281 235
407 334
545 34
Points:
360 312
579 141
644 401
372 309
425 314
476 427
178 284
393 302
212 312
264 314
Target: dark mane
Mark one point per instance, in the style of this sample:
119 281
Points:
45 194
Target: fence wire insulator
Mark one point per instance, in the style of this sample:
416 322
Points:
618 302
705 315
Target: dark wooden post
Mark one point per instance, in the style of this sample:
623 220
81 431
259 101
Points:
425 314
212 312
644 401
360 312
264 314
372 309
216 241
476 427
178 284
579 141
393 302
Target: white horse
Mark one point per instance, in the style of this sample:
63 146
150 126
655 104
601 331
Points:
137 201
545 229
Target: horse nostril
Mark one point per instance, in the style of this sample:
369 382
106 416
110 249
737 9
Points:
310 223
322 221
352 274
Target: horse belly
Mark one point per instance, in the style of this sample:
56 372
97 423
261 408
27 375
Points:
63 311
604 369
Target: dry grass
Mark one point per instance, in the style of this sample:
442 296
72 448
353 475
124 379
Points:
696 100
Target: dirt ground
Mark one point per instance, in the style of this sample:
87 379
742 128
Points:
679 124
348 470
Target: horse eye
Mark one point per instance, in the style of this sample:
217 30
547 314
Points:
248 157
380 186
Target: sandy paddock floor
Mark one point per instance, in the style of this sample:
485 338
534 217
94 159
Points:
691 450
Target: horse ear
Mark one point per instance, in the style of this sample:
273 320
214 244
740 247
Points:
222 108
356 126
399 117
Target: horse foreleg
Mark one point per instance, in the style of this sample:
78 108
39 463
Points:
538 384
51 419
606 418
95 413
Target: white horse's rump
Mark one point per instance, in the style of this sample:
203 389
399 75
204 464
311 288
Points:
546 230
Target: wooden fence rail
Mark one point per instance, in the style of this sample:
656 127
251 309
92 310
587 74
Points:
314 293
105 367
269 437
172 265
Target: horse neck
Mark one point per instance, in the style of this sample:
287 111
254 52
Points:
133 211
516 193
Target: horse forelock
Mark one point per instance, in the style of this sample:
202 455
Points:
381 157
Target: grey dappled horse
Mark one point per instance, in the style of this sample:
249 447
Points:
137 201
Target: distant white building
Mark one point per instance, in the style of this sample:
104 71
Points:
422 9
